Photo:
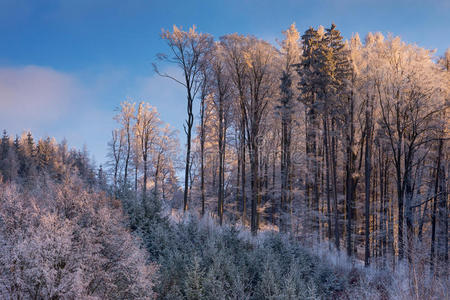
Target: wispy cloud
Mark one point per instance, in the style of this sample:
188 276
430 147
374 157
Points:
80 106
35 96
49 102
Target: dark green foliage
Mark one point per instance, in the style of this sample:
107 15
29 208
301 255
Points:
198 260
25 162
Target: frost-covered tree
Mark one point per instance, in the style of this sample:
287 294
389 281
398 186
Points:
125 117
290 51
146 132
116 149
221 86
188 51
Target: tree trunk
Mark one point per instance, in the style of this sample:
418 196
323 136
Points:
202 153
274 201
349 169
135 179
327 173
255 182
243 174
221 163
442 234
144 188
127 158
435 200
155 189
367 175
189 123
238 173
334 177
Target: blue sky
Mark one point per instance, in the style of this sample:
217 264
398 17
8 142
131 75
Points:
66 65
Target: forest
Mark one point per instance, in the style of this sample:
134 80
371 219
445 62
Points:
316 168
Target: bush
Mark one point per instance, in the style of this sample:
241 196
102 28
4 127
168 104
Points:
61 241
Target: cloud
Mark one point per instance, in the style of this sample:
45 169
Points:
80 106
58 104
33 96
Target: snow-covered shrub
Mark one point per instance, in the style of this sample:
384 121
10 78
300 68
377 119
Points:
61 241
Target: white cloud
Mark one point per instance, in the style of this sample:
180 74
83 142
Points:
48 102
34 96
80 106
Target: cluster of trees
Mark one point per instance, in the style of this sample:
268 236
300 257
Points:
343 141
61 234
143 155
23 161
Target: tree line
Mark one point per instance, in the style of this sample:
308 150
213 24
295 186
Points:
61 234
26 162
143 156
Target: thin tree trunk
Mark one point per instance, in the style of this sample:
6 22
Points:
135 178
367 177
335 201
221 162
442 234
127 158
243 175
144 188
238 173
349 180
435 200
189 123
327 172
155 189
202 153
274 202
254 186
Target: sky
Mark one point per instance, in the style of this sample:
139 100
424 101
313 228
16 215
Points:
65 66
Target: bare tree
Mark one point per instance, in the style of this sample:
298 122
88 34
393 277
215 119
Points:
125 117
220 82
188 51
146 131
260 57
290 51
116 146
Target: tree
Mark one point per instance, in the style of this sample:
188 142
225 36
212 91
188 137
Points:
204 94
221 86
116 146
309 86
8 159
259 57
234 46
290 51
164 157
410 97
189 50
125 117
146 131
